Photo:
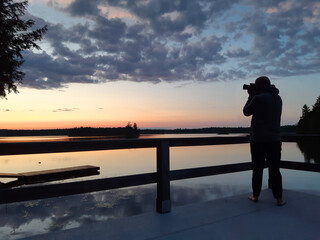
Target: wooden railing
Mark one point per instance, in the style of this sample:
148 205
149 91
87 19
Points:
161 177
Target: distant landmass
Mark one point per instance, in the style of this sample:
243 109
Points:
218 130
130 131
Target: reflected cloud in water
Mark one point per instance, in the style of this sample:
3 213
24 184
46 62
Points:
49 215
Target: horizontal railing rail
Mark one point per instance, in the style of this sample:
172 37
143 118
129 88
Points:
94 145
162 177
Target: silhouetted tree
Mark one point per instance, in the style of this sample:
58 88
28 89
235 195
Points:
310 123
304 122
15 37
315 116
310 120
120 132
131 131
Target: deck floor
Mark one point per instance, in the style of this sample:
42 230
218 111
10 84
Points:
228 218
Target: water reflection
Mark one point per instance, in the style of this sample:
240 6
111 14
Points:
48 215
57 138
310 150
82 138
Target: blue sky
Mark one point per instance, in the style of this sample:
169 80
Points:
164 63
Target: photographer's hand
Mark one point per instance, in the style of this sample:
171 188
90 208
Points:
251 95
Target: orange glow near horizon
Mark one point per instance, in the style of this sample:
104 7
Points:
57 125
115 104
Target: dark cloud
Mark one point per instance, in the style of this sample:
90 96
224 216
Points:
83 7
108 31
44 71
177 40
265 3
285 38
237 52
172 17
65 110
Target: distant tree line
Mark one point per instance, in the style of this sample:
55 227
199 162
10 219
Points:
129 131
310 120
217 130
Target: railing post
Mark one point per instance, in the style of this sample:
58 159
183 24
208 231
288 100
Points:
163 178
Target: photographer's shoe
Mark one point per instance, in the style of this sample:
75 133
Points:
253 198
281 202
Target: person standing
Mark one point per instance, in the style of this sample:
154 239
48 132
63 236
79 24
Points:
265 106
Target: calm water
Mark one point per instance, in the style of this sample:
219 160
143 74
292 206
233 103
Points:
133 161
23 219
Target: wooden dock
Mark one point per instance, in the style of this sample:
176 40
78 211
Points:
49 175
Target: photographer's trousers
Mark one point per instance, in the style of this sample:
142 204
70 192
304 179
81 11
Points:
270 152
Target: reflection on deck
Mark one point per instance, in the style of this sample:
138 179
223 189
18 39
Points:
227 218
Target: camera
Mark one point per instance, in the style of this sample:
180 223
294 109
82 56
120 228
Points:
253 90
249 87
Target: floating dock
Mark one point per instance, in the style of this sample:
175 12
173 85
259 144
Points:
49 175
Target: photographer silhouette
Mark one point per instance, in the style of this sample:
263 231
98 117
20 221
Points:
265 106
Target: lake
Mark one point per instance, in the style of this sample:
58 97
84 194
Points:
32 217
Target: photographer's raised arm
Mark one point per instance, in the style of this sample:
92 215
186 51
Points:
250 106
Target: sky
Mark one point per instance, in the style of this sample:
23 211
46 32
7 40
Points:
164 63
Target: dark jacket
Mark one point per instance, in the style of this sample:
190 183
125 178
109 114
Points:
265 108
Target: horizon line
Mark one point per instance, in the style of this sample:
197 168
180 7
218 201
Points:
150 128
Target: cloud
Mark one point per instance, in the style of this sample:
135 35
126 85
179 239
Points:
284 42
83 7
237 52
65 110
174 41
44 71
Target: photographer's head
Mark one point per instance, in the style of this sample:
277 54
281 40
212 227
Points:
262 83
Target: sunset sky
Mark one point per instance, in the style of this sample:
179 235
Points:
164 63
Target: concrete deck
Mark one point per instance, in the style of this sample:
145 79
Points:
228 218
